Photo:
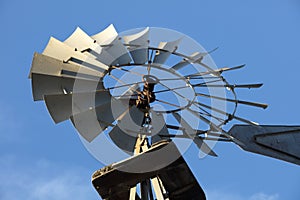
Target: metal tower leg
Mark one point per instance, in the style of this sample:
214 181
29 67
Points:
158 189
146 185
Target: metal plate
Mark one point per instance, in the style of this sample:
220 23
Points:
43 64
281 142
81 41
62 106
61 51
92 122
110 42
169 47
138 45
114 182
125 132
106 36
47 85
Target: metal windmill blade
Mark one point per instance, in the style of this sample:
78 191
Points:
141 92
138 45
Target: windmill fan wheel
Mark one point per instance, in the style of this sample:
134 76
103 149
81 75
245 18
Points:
153 83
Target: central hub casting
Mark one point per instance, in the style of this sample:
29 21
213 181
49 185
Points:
147 96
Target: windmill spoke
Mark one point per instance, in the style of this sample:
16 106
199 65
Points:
230 116
204 83
213 126
168 103
171 89
125 85
209 115
175 92
122 82
261 105
129 71
249 86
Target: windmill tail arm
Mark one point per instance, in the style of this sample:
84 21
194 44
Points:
280 142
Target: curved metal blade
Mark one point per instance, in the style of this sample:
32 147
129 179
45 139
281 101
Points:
281 142
125 133
227 114
84 43
110 42
189 131
88 129
138 45
46 85
123 140
169 47
92 122
106 36
159 127
62 106
61 51
81 41
260 105
43 64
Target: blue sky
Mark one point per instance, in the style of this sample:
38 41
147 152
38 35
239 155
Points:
41 160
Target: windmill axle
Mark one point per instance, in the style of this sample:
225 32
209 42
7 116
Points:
147 96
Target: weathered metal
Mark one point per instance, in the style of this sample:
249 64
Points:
121 86
281 142
114 181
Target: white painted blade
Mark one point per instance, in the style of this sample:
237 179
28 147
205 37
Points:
281 142
110 42
46 85
189 131
138 45
124 134
161 56
61 51
62 106
106 36
84 43
46 65
91 123
81 41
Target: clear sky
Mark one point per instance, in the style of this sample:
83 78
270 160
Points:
41 160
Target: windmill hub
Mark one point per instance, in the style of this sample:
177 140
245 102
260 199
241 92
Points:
162 90
147 96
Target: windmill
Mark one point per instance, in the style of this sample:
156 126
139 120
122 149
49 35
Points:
142 92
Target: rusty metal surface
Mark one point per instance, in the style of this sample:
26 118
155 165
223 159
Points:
113 182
